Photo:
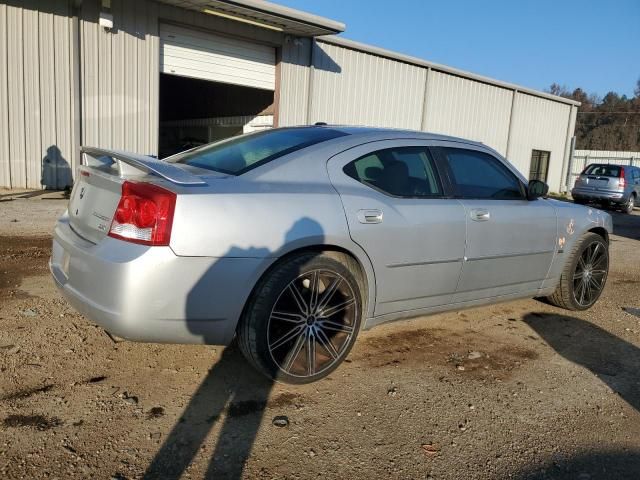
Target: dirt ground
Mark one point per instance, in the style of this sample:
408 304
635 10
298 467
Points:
516 390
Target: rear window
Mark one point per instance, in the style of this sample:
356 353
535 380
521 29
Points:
603 170
238 155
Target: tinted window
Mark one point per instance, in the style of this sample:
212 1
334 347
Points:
402 171
480 175
240 154
602 170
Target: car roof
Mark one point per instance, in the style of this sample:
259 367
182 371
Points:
384 133
609 165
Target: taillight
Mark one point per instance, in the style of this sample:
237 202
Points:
621 181
144 214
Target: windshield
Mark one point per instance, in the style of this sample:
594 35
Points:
237 155
603 170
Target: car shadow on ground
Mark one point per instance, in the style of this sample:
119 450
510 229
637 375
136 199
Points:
233 393
625 225
610 465
612 359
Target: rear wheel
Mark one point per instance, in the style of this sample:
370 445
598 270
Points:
303 318
628 207
584 274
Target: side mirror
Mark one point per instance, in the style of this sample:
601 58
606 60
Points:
537 189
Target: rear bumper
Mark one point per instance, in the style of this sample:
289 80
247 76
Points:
148 293
599 195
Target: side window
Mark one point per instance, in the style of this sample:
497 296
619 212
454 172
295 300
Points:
401 172
480 175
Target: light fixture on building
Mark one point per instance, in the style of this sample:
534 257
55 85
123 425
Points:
105 18
241 19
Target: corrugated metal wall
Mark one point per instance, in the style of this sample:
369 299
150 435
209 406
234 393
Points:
353 87
120 69
541 125
119 77
294 81
37 134
359 88
468 109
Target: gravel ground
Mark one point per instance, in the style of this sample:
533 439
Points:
515 390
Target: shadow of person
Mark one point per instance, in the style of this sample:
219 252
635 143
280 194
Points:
613 360
233 389
232 392
56 173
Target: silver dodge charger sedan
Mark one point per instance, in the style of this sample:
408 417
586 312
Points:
294 239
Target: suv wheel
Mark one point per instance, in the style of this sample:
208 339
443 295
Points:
628 207
303 318
584 275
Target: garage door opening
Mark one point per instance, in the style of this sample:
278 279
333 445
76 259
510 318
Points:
212 87
194 112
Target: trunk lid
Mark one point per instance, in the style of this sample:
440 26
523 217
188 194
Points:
600 177
593 182
98 186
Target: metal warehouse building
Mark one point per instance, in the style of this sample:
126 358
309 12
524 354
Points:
155 77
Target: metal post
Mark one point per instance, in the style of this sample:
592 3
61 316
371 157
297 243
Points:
572 149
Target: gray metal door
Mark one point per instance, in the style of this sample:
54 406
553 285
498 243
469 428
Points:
416 245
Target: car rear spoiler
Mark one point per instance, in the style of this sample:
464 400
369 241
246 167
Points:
132 161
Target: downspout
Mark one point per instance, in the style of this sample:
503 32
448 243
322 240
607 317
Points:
425 99
311 75
513 108
568 151
76 79
572 150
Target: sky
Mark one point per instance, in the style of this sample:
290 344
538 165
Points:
592 44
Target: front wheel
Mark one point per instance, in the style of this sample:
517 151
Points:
584 274
303 317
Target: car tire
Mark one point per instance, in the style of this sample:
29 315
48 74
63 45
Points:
629 206
303 317
579 201
584 275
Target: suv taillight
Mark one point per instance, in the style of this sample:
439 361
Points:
621 182
144 214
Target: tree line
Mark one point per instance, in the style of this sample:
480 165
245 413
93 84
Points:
608 123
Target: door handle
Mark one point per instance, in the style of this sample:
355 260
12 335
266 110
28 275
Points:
370 216
480 215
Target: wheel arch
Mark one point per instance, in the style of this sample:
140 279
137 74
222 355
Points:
600 231
366 271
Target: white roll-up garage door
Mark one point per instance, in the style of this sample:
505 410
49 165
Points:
196 54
